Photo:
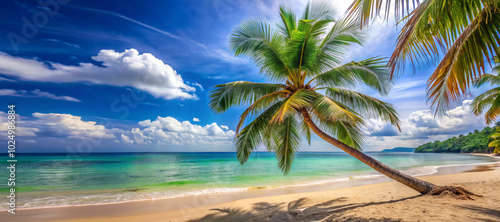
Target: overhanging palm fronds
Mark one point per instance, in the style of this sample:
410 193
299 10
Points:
466 31
365 10
465 59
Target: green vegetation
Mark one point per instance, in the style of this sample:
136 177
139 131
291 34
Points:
474 142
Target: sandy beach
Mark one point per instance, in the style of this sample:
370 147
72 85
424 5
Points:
382 201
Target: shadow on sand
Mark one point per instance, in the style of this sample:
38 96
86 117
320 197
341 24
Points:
297 210
485 211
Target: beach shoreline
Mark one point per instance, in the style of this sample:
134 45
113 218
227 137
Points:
173 208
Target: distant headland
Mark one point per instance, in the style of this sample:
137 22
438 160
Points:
399 149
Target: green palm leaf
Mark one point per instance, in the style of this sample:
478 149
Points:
330 110
493 111
257 40
301 98
367 105
288 141
484 100
225 96
488 100
348 132
303 45
251 135
288 22
371 72
336 43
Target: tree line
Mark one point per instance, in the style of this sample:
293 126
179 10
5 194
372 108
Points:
474 142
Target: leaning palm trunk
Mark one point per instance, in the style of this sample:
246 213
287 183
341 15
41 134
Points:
419 185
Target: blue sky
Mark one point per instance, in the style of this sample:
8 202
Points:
107 76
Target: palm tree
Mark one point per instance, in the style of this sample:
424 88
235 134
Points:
496 141
465 31
489 99
303 56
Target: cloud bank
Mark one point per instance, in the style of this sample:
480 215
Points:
421 127
168 130
35 94
161 131
129 68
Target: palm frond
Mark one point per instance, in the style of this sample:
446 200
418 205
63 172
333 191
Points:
319 10
301 98
370 72
496 68
258 41
465 59
494 143
302 47
330 110
288 140
487 78
288 22
366 10
347 132
414 42
493 111
495 135
252 134
306 131
367 105
334 45
484 100
228 95
259 105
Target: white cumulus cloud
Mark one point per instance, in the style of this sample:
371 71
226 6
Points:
421 126
68 126
458 120
168 130
196 120
129 68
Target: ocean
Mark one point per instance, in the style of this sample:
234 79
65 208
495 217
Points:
49 180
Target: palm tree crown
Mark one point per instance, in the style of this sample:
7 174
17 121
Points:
303 57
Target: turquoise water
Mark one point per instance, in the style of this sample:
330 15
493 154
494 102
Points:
61 180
